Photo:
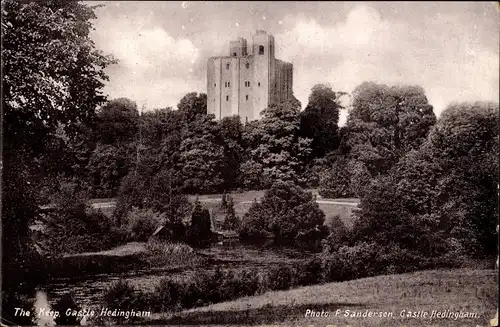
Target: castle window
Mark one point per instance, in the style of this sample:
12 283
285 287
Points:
261 49
249 83
227 66
247 65
228 84
234 54
246 97
215 84
227 97
258 84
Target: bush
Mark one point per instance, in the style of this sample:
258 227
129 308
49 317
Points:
122 296
64 303
171 254
169 295
75 226
280 278
140 224
339 235
200 230
309 273
231 221
286 211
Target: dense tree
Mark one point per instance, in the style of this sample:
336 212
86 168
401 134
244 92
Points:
193 105
106 168
442 197
319 120
231 131
52 78
385 123
287 212
156 125
200 230
337 237
231 221
117 122
277 146
334 179
201 158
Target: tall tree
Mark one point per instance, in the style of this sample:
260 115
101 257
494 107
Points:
201 157
117 122
387 122
231 132
193 105
53 77
280 151
319 120
442 196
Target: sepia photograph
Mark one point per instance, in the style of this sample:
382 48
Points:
250 163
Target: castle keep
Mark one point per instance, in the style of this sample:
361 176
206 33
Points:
246 82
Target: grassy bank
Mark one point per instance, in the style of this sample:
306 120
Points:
130 256
466 290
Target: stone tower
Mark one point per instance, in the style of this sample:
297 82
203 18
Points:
245 83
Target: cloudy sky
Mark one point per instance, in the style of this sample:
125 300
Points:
451 49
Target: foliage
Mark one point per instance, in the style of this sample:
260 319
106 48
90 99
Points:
286 211
339 235
117 122
159 193
275 145
141 223
231 221
66 302
201 159
75 227
319 120
385 123
280 278
334 178
192 106
200 230
106 168
251 175
52 79
122 296
444 191
231 131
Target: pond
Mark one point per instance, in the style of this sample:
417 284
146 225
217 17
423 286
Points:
87 291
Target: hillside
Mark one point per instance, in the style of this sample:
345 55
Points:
472 292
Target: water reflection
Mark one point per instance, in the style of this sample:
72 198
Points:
88 290
43 316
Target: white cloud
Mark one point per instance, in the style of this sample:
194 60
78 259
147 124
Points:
449 64
153 65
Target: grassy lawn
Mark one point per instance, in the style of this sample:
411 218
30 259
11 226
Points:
243 202
466 290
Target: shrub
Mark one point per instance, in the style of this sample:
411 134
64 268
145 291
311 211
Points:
280 278
122 296
286 211
141 223
75 226
171 254
309 273
64 303
231 221
200 230
338 235
168 295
